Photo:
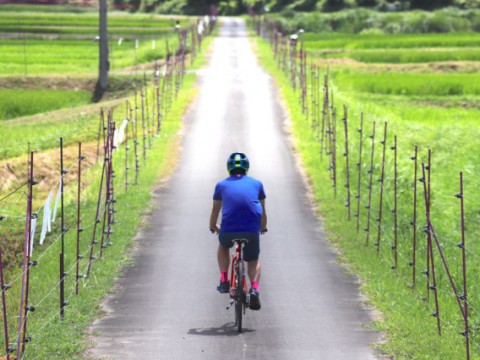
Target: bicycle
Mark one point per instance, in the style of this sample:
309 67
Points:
238 283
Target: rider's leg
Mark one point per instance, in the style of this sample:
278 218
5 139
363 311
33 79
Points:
254 270
223 256
223 260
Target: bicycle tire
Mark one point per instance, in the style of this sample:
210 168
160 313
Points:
239 300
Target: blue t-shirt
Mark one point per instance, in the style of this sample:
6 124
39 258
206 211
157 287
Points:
241 208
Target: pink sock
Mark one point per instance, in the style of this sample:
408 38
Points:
254 285
223 276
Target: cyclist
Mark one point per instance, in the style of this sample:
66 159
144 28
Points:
242 201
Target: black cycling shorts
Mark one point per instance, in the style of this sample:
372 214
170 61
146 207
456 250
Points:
251 250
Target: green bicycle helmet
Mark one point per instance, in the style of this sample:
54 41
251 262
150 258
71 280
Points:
238 160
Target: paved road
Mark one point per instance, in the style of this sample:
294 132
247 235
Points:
167 306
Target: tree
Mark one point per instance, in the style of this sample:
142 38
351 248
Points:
333 5
199 6
369 3
430 4
305 5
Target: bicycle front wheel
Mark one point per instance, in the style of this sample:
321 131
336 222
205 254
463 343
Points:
239 306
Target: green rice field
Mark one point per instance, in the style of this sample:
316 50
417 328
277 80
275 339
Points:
319 42
397 56
75 56
46 43
411 84
120 24
21 102
63 45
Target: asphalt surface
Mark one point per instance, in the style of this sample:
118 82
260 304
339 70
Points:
167 306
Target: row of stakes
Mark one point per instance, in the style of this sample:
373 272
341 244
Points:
317 103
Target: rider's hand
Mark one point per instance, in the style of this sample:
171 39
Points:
215 229
263 231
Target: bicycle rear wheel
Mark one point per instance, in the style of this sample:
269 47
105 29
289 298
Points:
238 300
239 312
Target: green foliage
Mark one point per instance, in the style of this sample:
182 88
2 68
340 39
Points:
303 5
258 6
368 3
337 5
201 7
430 4
361 19
467 4
332 5
175 7
16 103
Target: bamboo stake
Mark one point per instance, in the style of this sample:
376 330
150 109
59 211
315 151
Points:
414 221
370 186
359 167
381 181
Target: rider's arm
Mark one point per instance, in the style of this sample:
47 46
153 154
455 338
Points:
217 206
263 225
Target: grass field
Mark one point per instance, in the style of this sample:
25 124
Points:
68 51
120 24
48 9
75 56
16 103
318 42
425 85
434 110
46 43
399 56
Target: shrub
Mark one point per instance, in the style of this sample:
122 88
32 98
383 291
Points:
174 7
368 3
361 19
350 21
467 4
332 5
373 31
304 5
312 23
415 23
443 23
288 13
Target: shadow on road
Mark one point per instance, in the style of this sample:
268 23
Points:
228 329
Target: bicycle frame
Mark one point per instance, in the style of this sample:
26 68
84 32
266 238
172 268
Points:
238 284
237 261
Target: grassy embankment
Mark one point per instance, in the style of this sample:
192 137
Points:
70 334
425 115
